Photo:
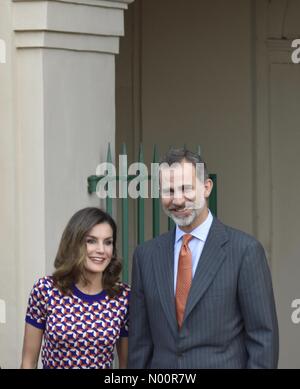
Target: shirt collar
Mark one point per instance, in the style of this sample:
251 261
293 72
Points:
200 232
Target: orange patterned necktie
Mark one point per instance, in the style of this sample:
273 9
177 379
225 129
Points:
184 278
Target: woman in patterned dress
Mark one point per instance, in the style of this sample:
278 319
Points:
80 313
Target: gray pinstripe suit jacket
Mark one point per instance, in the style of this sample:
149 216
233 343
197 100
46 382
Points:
230 319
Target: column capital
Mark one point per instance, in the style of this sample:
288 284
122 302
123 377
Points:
80 25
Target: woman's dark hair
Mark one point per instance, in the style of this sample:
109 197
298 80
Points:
71 255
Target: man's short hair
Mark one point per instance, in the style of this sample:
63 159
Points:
178 155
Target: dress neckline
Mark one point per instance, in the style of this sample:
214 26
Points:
89 297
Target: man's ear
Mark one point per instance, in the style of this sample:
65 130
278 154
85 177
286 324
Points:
208 186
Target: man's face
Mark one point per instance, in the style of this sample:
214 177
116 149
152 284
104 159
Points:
183 194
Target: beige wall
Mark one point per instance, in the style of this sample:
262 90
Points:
198 72
196 88
278 132
285 113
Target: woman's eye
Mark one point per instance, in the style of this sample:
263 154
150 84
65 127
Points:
91 241
109 242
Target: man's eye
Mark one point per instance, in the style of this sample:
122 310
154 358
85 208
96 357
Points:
167 192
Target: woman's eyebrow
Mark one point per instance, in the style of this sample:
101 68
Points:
94 237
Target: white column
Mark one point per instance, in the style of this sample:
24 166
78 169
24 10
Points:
57 109
9 240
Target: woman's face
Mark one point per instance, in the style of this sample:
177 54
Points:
99 244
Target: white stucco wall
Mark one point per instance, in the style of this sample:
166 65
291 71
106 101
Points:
80 121
8 197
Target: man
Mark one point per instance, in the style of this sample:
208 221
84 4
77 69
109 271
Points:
202 293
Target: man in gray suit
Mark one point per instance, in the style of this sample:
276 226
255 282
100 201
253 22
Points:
228 318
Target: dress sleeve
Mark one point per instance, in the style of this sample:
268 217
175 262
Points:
36 314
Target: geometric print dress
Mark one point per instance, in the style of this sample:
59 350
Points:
80 331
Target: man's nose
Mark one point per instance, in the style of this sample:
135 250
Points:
178 199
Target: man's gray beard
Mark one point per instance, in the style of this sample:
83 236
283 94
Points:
183 221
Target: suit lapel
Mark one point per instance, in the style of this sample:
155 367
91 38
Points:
210 261
164 274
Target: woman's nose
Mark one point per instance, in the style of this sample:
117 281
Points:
100 247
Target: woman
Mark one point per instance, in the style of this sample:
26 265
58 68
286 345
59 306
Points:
81 312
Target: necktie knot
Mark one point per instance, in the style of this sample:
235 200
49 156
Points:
186 239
